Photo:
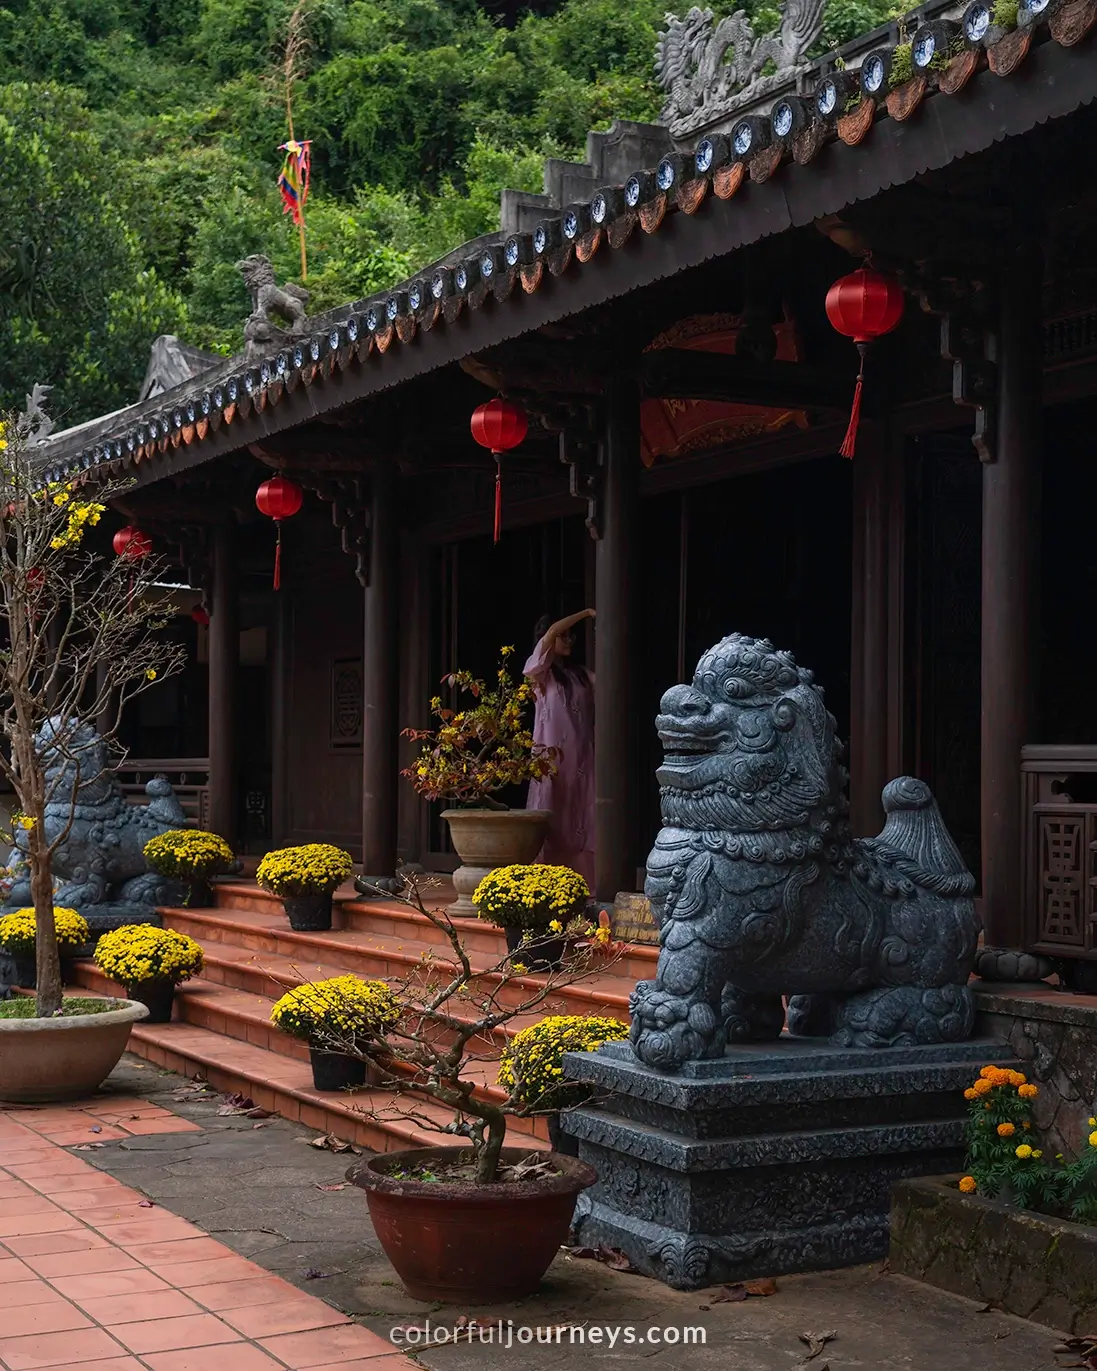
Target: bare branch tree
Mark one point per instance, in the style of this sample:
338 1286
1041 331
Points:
83 637
451 1010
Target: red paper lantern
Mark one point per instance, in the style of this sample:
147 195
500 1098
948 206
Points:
499 426
864 306
200 615
279 498
131 543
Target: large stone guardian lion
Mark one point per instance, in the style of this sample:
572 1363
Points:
761 893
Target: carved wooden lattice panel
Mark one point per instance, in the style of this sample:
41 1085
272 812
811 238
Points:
1063 884
346 702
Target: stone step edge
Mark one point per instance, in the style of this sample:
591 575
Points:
91 978
221 919
154 1042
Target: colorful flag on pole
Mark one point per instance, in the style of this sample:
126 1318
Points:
293 179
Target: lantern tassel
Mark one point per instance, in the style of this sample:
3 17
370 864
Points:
498 495
849 442
278 555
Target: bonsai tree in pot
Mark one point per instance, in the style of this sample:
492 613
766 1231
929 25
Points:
446 1215
82 640
150 962
344 1007
539 907
192 856
306 878
467 758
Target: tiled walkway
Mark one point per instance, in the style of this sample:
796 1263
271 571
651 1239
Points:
93 1276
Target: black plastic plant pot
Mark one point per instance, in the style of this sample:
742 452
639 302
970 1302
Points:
334 1071
309 913
158 996
547 955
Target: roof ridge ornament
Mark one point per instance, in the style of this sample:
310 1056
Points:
34 423
261 334
709 70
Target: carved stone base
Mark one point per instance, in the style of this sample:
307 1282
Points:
1008 965
774 1159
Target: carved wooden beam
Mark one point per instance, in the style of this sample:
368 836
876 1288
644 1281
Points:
350 514
686 374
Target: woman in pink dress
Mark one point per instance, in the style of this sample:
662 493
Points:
564 720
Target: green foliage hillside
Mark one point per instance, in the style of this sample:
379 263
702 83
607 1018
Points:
140 150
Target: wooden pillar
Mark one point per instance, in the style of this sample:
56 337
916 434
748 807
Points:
224 666
615 760
868 758
381 680
281 661
1009 553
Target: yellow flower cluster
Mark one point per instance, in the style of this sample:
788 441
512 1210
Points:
343 1008
82 515
17 930
534 897
967 1184
188 853
312 869
139 952
531 1069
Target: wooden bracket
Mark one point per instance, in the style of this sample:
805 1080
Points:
969 340
580 452
350 514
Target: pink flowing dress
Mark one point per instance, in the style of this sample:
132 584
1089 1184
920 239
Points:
565 720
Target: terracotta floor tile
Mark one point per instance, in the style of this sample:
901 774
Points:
170 1123
392 1362
70 1240
138 1306
101 1283
82 1201
155 1254
20 1157
19 1294
222 1295
12 1270
233 1356
130 1231
12 1189
108 1364
52 1220
28 1203
82 1346
117 1207
184 1275
81 1263
172 1335
323 1345
52 1164
55 1316
88 1132
289 1316
73 1180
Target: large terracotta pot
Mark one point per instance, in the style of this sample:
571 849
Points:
63 1059
488 838
467 1243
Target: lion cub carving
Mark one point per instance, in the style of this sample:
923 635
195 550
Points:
761 893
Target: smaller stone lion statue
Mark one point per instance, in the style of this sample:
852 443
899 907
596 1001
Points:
101 860
288 302
761 893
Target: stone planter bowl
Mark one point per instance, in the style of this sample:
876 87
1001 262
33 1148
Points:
490 838
42 1060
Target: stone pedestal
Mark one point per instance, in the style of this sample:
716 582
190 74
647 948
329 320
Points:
778 1157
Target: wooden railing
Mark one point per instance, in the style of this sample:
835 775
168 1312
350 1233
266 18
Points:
188 775
1060 849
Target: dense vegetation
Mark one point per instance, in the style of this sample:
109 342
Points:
140 150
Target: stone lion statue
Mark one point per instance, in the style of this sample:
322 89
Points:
101 861
268 299
761 893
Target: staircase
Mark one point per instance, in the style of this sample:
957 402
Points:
222 1030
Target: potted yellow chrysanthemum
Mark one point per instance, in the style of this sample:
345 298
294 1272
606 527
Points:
344 1009
306 878
540 908
17 938
193 856
150 962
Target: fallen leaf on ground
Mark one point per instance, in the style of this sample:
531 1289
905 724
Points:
315 1274
766 1286
341 1186
704 1308
741 1290
87 1147
612 1257
237 1104
334 1144
96 1128
263 1123
256 1113
816 1342
146 1204
731 1294
531 1166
